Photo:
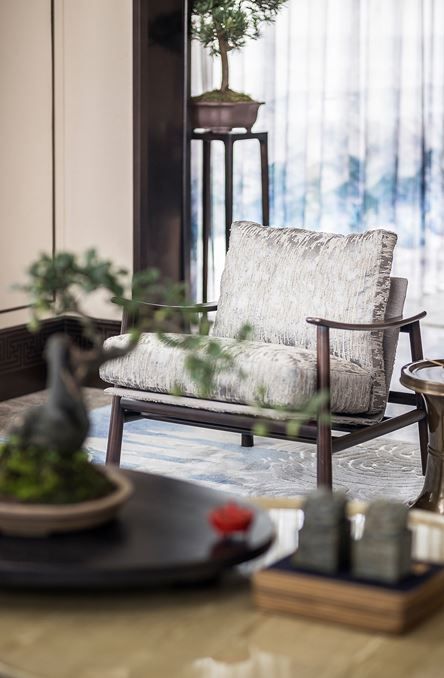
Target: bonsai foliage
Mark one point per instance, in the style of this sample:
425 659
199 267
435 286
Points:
226 25
42 459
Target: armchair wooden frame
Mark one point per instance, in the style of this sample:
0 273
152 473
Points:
319 432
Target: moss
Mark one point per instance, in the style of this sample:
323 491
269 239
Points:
45 477
221 96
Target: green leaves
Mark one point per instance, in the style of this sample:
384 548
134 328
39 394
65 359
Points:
56 284
205 359
231 22
37 475
294 418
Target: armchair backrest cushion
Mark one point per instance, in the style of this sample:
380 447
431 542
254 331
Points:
275 277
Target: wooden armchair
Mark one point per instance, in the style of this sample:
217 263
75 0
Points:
137 393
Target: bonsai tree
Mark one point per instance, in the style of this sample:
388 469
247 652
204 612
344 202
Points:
43 459
226 25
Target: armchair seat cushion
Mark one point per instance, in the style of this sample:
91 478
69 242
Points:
275 375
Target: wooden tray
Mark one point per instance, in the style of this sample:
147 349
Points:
345 600
161 536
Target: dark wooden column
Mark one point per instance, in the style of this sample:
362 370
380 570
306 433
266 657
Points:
161 69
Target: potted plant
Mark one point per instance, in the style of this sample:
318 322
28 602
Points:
47 482
223 26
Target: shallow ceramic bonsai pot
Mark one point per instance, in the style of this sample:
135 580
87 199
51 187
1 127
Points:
41 520
221 116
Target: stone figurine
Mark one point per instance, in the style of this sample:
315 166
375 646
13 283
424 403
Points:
384 552
324 540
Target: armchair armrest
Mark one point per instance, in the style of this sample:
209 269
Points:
323 327
393 323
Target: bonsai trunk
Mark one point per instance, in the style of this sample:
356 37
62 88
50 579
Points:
61 424
223 49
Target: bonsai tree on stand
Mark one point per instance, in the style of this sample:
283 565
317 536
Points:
226 25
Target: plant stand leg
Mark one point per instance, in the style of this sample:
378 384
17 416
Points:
247 440
115 433
206 214
228 189
263 141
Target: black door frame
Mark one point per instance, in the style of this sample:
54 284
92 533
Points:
161 137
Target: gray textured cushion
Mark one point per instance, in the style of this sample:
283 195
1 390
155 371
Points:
395 308
275 277
285 375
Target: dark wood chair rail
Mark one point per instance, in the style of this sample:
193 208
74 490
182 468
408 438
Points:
393 323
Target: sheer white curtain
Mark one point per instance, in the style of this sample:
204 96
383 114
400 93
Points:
354 93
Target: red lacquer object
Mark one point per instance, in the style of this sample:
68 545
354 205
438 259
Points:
231 518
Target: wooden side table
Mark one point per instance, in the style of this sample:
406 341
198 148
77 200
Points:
228 139
426 377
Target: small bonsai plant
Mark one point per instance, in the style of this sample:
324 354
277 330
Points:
42 459
226 25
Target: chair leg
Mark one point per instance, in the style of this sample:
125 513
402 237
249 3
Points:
423 443
115 433
324 456
418 354
247 440
324 441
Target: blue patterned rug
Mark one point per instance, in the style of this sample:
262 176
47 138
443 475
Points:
386 468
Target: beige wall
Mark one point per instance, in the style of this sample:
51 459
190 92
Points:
94 129
93 135
25 143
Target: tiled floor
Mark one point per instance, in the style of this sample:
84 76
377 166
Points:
12 409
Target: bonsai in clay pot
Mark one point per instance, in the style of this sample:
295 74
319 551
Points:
223 26
47 482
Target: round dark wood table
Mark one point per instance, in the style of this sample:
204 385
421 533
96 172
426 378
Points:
162 536
427 378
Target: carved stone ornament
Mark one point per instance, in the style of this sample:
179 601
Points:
384 552
324 540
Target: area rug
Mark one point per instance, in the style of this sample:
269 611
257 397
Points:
386 468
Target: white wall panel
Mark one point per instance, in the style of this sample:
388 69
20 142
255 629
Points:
25 143
93 136
94 130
